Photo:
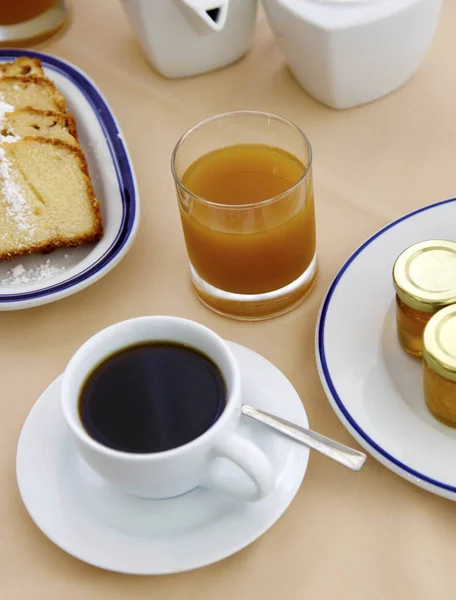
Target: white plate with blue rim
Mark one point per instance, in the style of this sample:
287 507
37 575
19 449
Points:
39 279
92 521
374 388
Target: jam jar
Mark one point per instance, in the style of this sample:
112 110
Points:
439 343
424 277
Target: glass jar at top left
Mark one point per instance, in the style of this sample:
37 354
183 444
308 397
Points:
25 22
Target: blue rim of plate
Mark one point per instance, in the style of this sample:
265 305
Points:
324 365
120 159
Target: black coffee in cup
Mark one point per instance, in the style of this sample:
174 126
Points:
152 397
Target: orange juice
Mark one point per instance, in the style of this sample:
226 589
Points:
17 11
253 229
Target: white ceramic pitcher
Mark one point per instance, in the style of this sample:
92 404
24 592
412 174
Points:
187 37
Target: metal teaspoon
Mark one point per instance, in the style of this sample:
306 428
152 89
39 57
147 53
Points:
348 457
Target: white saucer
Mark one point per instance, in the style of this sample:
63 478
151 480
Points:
85 517
373 386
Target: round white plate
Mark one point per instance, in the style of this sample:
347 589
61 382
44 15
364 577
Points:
99 525
38 279
373 386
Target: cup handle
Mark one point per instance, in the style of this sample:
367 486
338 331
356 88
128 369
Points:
251 460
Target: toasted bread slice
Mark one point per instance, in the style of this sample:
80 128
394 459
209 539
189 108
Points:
25 122
22 66
47 200
35 92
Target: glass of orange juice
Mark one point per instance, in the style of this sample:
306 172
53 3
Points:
246 201
30 21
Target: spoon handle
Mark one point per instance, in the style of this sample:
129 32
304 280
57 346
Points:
344 455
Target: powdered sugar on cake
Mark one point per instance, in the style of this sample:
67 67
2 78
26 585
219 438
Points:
4 107
17 207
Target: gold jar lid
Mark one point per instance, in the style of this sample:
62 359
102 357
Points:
439 342
424 275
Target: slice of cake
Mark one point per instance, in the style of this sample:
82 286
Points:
35 92
47 200
24 122
22 66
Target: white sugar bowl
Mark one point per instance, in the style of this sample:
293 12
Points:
187 37
348 52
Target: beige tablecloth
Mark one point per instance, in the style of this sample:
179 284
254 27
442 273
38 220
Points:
346 536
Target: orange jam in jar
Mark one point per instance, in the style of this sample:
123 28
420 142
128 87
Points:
424 277
439 344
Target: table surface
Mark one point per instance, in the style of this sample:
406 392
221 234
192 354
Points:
348 536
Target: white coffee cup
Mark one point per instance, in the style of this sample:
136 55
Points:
172 472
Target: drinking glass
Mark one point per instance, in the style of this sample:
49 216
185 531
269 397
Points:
256 259
30 21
